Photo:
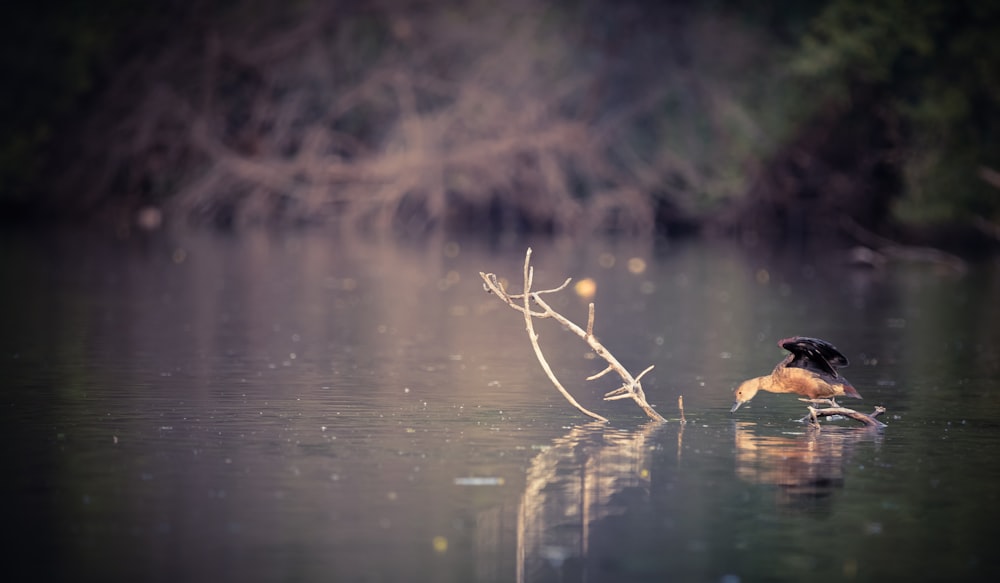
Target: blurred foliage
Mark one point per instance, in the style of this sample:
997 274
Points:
549 116
673 105
939 61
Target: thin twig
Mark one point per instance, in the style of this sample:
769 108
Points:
643 373
622 390
619 396
594 377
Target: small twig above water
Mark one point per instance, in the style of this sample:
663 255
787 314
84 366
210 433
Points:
631 386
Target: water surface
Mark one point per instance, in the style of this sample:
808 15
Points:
296 407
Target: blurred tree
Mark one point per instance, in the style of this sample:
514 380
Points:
938 62
684 110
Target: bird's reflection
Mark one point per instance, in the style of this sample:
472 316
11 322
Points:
592 488
590 473
807 466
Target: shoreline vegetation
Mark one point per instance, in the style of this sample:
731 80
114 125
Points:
855 122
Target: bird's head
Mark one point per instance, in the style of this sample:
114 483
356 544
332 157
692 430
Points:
745 392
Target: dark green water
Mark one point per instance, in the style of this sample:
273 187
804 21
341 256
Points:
298 408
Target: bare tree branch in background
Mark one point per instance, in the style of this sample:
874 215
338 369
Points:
392 116
631 386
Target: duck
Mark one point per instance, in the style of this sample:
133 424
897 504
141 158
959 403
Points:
809 370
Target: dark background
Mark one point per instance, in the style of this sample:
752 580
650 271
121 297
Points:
838 119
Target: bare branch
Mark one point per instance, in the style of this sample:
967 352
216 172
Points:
493 285
594 377
625 395
816 412
555 289
879 249
631 387
643 373
541 291
528 273
622 390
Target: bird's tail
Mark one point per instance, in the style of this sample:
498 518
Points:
850 391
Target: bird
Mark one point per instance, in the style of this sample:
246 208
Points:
809 370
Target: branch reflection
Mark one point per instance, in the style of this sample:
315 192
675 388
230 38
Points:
591 473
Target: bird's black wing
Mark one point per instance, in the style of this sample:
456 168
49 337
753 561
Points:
814 354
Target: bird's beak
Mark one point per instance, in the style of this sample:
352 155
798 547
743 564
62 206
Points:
736 406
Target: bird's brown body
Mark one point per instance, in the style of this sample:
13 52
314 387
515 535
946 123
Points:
810 370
